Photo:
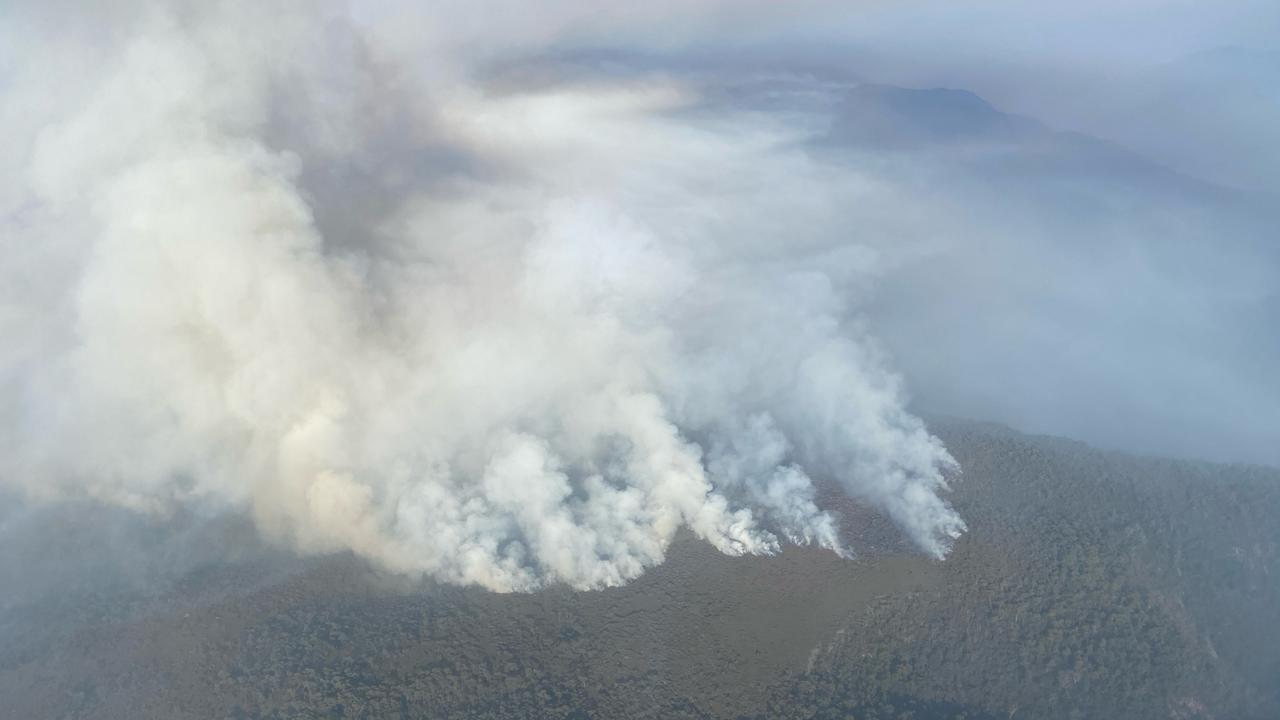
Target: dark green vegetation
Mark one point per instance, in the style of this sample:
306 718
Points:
1090 585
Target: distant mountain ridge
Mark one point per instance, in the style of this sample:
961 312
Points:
888 115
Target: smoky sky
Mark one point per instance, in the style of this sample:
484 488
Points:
1096 183
507 295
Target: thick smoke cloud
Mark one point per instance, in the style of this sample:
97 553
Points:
359 275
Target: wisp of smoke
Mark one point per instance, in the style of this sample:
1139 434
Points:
495 331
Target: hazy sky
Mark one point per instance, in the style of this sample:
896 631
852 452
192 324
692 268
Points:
1125 295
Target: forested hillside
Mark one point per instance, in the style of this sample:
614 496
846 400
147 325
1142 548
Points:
1090 585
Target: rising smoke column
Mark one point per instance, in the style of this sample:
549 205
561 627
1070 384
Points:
499 333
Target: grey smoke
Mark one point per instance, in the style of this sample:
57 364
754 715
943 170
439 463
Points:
490 365
507 295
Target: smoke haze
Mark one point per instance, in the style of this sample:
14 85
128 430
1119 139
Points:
480 302
467 332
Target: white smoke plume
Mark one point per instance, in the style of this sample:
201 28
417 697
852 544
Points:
496 328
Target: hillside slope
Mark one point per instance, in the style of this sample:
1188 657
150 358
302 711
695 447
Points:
1090 585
